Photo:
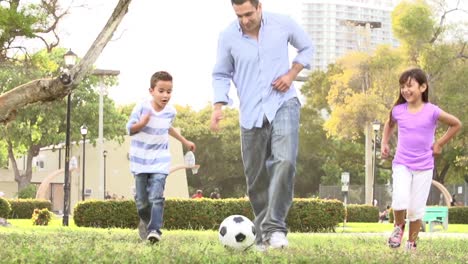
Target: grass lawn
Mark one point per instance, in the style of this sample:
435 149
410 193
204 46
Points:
24 243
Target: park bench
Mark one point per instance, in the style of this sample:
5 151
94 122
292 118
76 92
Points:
435 215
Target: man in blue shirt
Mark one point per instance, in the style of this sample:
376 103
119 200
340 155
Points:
253 54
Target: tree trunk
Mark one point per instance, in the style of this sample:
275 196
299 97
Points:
52 89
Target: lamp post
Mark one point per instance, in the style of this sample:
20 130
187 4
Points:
66 78
84 132
376 128
104 154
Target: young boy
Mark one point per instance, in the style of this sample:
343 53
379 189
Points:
150 126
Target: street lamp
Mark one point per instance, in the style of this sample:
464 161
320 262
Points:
66 78
104 154
376 128
84 132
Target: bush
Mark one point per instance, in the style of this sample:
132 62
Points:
362 213
29 192
5 208
41 217
306 215
24 208
458 215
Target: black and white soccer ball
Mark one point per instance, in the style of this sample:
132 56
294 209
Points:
237 232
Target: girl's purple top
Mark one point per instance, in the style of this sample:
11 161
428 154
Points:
415 136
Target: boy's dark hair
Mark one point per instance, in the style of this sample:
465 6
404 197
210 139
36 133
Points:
240 2
411 74
160 76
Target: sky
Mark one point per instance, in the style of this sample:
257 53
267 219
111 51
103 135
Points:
178 36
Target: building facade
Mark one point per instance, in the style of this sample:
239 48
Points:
118 181
339 26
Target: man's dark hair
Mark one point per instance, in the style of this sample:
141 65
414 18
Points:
160 76
240 2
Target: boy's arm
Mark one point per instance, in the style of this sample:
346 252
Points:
386 135
136 127
454 126
189 144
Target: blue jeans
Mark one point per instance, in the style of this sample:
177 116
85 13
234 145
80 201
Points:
269 155
149 199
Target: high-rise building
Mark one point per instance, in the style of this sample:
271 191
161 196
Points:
340 26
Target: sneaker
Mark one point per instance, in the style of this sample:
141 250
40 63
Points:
278 240
142 229
397 235
261 247
153 237
410 246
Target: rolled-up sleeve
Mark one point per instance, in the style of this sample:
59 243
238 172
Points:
301 41
222 72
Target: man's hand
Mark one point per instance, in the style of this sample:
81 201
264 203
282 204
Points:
216 116
283 83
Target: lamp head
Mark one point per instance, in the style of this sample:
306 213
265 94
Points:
70 59
376 125
104 153
84 130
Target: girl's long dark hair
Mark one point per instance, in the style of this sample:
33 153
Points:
411 74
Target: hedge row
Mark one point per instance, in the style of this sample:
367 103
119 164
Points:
362 213
24 208
305 215
457 215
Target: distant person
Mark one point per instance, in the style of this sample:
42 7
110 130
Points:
383 216
215 194
413 164
454 201
149 126
198 194
107 196
253 55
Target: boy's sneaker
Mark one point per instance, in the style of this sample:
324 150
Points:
410 246
261 247
153 237
397 235
278 240
142 229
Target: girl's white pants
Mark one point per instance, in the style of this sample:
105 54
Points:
410 191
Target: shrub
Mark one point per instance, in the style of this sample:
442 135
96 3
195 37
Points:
41 217
24 208
362 213
29 192
458 215
5 208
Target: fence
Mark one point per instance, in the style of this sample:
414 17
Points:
383 194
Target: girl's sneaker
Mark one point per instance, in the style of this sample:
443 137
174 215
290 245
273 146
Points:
410 245
397 235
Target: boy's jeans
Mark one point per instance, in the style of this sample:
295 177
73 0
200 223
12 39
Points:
149 199
269 155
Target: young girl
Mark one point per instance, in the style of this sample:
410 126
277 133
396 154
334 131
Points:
413 163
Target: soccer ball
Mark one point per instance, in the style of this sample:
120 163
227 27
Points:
237 232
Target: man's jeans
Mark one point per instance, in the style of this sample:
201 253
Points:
149 199
269 155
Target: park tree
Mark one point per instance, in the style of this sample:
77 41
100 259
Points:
41 125
217 152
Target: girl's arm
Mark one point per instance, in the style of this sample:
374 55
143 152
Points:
454 126
189 144
386 135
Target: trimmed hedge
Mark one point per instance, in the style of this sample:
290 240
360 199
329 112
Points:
5 208
24 208
306 215
362 213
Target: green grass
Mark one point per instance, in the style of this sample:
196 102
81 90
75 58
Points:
388 227
24 243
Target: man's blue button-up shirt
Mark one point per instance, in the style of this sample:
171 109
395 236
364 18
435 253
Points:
253 65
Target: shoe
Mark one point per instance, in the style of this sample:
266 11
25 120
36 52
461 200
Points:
261 247
410 246
278 240
153 237
397 235
142 229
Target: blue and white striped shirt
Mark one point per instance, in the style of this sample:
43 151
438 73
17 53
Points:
149 148
252 65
